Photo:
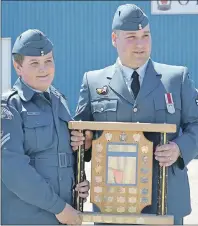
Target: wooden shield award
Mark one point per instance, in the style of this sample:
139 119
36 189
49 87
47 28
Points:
121 173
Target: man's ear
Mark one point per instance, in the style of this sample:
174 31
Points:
114 37
17 67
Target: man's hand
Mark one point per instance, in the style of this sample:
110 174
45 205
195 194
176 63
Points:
167 154
77 139
69 216
83 189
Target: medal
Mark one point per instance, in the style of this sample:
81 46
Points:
169 103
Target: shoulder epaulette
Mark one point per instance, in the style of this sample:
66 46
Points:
57 93
63 96
7 95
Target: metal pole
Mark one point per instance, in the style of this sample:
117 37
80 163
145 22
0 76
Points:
162 183
80 175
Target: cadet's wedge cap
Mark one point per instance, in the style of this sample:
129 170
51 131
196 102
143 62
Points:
32 43
129 17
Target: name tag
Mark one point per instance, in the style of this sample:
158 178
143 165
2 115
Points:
33 113
169 103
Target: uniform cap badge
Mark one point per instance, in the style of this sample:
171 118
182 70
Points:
42 53
140 26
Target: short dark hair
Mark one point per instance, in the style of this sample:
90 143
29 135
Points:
18 58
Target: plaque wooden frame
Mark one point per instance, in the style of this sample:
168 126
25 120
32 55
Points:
119 195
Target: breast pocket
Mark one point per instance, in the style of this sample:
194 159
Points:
162 114
38 132
104 110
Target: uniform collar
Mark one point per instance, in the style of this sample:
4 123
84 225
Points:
37 91
127 71
25 91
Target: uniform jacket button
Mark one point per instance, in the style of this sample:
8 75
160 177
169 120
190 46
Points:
135 109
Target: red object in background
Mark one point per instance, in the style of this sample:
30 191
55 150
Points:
164 2
164 5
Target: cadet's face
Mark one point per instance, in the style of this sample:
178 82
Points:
37 72
134 47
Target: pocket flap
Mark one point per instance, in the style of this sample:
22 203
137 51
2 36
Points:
104 105
32 121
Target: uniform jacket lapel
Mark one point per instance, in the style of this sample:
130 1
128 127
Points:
118 84
150 82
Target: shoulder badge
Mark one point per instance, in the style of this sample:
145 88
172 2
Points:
6 113
7 95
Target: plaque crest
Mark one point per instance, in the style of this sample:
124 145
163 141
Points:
108 136
144 149
136 137
123 136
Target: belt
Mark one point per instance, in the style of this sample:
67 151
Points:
61 160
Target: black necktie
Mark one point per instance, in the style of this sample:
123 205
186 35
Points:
47 96
135 85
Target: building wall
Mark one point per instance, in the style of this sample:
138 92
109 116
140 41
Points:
6 64
81 33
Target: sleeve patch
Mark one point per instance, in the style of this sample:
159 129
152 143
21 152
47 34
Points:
6 113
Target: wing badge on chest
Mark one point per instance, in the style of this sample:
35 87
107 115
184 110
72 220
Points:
102 91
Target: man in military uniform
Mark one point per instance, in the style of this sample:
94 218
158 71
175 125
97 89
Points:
137 89
37 159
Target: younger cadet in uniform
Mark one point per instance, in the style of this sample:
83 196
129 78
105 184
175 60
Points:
37 160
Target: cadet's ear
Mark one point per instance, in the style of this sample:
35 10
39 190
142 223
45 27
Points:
17 67
113 37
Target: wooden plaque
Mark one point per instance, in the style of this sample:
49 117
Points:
121 172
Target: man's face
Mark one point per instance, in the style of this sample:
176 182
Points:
133 47
37 72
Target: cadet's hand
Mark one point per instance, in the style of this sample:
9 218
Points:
83 189
167 154
77 139
69 216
